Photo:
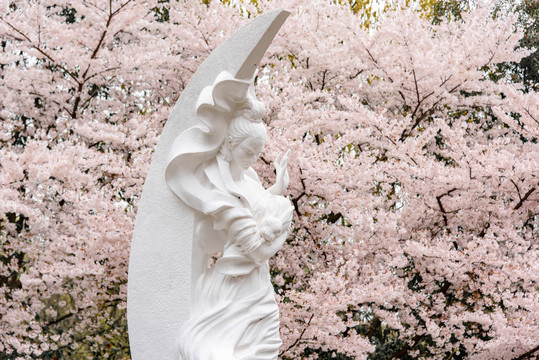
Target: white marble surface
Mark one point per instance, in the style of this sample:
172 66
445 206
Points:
234 314
159 286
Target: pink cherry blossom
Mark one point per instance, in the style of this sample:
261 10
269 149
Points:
414 175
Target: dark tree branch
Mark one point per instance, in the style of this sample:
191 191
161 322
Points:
441 206
295 202
530 115
351 77
526 196
518 190
37 47
300 336
324 79
416 90
528 354
399 354
372 57
446 80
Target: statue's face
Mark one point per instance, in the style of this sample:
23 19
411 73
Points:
247 151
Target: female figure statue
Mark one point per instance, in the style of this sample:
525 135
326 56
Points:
234 315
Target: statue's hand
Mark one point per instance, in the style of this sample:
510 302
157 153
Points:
282 178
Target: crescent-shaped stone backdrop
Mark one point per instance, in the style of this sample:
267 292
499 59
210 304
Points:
160 259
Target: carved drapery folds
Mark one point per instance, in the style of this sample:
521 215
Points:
233 311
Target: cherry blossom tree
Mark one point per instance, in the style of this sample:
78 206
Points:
414 175
415 187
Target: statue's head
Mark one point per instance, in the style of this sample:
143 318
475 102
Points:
246 135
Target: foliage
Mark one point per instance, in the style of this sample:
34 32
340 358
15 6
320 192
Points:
414 178
527 70
440 10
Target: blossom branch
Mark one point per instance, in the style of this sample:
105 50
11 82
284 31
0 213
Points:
300 336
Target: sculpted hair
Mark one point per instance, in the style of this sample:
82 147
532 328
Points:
245 123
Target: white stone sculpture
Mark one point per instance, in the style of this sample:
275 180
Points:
177 306
233 310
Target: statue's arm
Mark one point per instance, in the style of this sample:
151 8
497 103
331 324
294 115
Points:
243 233
268 249
245 237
